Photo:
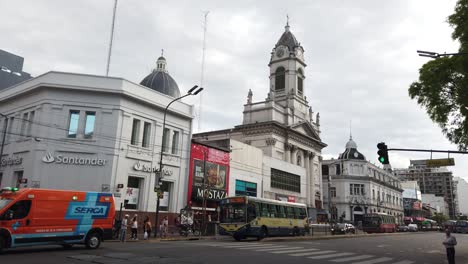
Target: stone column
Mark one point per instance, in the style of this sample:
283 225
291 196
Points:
312 179
307 175
287 148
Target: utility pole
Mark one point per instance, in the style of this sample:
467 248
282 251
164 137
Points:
202 227
3 138
205 24
111 38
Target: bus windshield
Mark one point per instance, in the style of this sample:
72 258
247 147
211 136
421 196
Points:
371 221
233 213
4 202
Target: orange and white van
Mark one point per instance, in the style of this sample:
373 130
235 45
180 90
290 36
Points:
42 217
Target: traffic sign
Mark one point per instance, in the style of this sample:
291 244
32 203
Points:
440 162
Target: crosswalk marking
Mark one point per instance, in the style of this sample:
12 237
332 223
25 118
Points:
352 258
265 247
247 246
404 262
279 248
295 250
311 253
332 255
372 261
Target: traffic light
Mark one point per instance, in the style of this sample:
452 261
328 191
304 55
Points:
383 153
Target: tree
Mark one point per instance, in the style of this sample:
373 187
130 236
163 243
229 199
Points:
439 218
442 87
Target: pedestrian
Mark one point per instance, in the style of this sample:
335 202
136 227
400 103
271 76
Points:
146 228
164 226
123 228
135 227
450 242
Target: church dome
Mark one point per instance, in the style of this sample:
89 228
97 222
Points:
351 151
288 39
160 80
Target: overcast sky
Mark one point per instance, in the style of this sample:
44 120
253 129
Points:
361 57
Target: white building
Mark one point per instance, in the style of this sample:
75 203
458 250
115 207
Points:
436 202
283 127
462 191
95 133
354 187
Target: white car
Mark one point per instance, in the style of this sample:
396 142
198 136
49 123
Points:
413 227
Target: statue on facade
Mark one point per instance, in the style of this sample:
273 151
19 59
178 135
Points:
311 114
249 97
318 119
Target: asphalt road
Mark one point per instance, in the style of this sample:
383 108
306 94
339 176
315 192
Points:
417 248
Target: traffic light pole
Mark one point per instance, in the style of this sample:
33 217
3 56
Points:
430 150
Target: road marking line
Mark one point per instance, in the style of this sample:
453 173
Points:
311 253
331 255
372 261
265 247
248 246
404 262
352 258
296 250
273 249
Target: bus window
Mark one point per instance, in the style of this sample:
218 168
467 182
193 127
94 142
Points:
272 210
282 213
290 212
264 210
251 212
302 213
296 212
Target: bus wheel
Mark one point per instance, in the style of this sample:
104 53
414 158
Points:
93 241
263 233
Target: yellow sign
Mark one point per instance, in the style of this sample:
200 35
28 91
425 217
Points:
440 162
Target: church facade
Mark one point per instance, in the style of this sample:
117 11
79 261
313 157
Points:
284 127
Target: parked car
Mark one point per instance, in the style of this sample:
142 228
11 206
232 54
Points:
402 228
343 228
413 227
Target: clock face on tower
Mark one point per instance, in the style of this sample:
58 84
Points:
280 52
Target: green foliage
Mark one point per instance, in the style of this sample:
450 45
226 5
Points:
439 218
442 87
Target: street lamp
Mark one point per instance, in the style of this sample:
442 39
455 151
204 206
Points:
436 55
193 91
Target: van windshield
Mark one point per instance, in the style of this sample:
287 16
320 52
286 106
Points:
4 202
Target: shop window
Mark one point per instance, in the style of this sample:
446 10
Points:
89 124
135 132
146 135
175 142
74 120
164 203
165 146
17 176
132 196
246 188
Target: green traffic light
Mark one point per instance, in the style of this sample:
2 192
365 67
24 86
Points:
382 159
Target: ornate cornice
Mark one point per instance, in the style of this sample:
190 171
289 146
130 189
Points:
270 141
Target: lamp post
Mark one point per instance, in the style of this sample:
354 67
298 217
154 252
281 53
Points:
193 91
3 138
436 55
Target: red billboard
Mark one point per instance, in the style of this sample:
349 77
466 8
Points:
216 173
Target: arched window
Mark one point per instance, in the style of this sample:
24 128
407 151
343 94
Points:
280 79
300 81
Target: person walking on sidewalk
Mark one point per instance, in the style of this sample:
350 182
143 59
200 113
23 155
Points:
450 242
164 227
135 227
123 228
146 228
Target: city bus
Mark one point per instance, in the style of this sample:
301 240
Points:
245 216
379 223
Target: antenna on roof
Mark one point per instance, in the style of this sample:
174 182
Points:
205 24
111 38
